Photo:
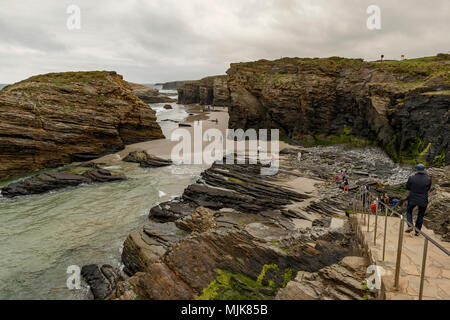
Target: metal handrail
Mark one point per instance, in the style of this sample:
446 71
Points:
365 205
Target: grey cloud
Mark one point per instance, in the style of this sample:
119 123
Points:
162 40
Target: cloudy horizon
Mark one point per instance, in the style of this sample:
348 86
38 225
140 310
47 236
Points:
149 41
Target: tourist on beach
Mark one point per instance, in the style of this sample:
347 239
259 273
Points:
418 185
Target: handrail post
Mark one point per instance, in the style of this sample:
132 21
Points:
385 231
376 224
399 252
424 264
368 214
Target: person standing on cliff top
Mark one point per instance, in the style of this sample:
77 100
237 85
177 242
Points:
418 185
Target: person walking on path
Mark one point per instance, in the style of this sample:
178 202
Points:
418 185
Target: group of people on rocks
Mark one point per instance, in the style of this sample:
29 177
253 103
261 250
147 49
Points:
342 179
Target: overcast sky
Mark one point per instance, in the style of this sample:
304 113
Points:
150 41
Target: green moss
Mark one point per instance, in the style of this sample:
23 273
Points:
439 161
230 286
288 276
261 276
343 137
416 152
238 181
285 139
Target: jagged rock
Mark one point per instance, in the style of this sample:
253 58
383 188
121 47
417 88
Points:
251 232
149 94
142 248
58 118
145 160
341 281
201 220
192 262
102 175
207 91
438 211
168 107
46 182
159 283
101 280
171 211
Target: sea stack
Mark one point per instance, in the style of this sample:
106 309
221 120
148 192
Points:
54 119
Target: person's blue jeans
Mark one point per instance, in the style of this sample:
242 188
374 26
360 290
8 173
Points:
409 215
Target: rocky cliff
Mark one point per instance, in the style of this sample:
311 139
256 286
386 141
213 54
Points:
207 91
149 94
173 85
401 105
54 119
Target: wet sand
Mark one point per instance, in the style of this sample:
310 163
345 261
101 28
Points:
197 118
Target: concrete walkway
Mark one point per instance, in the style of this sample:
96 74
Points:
437 274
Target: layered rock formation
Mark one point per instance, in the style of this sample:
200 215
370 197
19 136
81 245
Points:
207 91
402 105
146 160
341 281
236 234
149 94
46 182
54 119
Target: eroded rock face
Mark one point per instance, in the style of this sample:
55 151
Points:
50 120
234 226
403 105
46 182
438 211
149 95
341 281
207 91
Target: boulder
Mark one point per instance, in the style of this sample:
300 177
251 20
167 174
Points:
101 280
146 160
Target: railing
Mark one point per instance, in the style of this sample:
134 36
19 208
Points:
362 202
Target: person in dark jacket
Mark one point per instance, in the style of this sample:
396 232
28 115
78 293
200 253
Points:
418 185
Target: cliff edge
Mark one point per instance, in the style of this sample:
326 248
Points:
54 119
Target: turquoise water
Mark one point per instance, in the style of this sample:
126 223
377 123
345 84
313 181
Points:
40 236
